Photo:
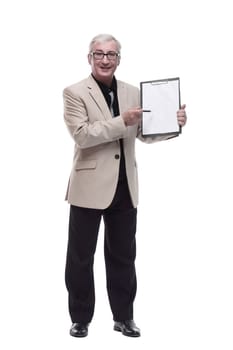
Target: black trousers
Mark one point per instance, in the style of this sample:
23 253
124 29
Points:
119 251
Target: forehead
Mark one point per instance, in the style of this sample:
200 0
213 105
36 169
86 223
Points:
105 46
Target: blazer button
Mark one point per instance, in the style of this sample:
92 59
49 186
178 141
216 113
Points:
117 156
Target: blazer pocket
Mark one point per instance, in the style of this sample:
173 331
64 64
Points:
85 164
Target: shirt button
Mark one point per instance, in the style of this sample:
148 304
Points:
117 156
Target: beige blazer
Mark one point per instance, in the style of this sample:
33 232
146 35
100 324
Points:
94 175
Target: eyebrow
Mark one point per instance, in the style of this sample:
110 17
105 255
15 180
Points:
98 50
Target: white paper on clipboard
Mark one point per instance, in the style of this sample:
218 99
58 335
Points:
160 101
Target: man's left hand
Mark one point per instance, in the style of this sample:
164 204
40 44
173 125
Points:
181 116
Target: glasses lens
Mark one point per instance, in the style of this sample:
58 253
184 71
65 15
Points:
111 55
98 55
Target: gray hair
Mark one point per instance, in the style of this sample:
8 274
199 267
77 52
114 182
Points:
103 38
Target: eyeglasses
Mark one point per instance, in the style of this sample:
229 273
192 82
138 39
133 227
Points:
111 55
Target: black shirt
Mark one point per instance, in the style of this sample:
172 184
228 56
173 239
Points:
105 91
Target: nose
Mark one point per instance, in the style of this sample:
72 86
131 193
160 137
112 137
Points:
105 59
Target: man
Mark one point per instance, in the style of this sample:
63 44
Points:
103 117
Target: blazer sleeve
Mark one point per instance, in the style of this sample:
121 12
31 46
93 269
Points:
86 130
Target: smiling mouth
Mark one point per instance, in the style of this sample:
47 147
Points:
105 68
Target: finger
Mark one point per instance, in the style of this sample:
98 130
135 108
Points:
181 111
137 108
181 120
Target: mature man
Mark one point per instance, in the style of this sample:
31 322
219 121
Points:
103 117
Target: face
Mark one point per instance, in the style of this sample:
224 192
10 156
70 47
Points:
103 69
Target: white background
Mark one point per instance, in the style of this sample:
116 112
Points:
184 255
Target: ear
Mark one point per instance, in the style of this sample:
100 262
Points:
89 58
119 60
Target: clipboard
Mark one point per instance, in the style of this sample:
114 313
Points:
160 101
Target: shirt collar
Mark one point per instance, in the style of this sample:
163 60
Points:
104 88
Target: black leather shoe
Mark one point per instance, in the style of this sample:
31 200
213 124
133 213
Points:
127 328
79 330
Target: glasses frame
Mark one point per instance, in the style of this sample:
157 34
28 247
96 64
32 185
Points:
113 55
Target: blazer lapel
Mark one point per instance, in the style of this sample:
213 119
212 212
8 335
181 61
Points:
98 97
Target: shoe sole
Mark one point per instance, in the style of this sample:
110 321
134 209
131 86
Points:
79 335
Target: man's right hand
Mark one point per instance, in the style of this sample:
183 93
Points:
132 116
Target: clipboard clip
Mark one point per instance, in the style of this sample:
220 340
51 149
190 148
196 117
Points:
159 82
